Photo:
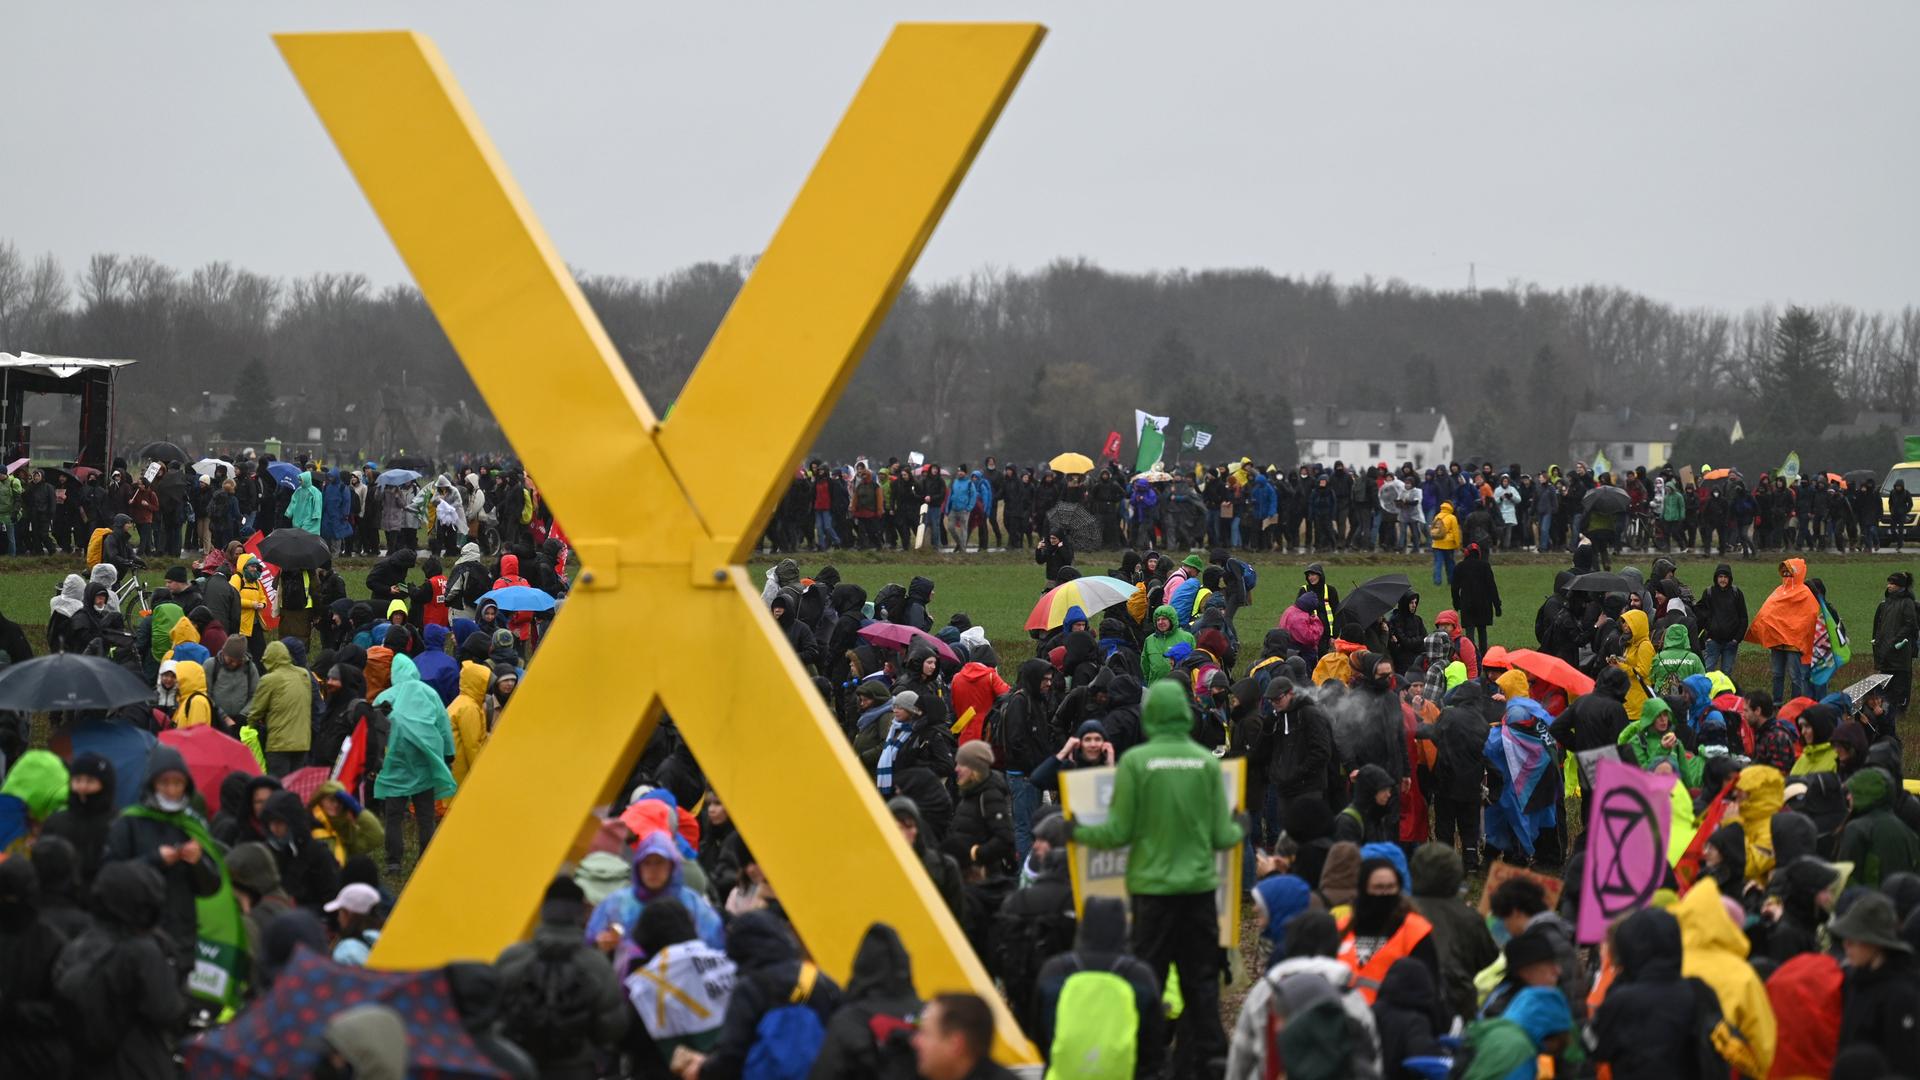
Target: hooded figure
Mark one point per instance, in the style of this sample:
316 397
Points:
870 1034
1521 752
1714 951
282 705
1102 946
1648 740
1762 795
1460 937
770 974
87 818
307 868
1874 840
1507 1046
622 908
157 822
33 1041
305 510
1653 1022
1167 634
1675 661
437 669
1786 621
119 972
1408 1015
468 717
420 740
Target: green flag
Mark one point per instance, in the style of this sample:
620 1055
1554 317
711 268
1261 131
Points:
1912 448
1149 434
1791 467
1195 437
1600 462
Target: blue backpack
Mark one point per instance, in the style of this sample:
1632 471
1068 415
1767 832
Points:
789 1037
1248 576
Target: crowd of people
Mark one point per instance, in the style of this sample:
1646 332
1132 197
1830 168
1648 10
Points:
1318 509
1387 764
170 506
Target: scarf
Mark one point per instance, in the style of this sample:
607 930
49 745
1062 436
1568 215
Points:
896 738
220 961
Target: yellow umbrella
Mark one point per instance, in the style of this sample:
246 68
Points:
1071 463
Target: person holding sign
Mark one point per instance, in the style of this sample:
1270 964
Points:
1169 810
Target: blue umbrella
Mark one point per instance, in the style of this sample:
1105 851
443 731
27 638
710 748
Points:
119 742
283 471
396 477
520 598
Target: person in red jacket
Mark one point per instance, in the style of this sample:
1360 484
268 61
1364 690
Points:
973 692
522 622
1463 649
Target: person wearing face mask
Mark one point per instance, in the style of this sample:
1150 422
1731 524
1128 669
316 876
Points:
162 831
1384 928
89 813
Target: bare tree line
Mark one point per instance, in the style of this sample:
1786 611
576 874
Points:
1023 365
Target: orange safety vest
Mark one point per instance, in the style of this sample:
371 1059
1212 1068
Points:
1367 977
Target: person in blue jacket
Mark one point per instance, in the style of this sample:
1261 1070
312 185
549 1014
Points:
336 511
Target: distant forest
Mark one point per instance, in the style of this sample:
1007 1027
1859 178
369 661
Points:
1021 365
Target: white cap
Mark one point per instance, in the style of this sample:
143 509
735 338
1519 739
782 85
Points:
358 898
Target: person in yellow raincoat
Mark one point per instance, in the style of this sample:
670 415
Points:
1714 951
183 631
253 599
468 714
1637 659
347 827
1762 792
192 707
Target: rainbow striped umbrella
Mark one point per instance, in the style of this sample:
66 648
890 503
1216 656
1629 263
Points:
1090 594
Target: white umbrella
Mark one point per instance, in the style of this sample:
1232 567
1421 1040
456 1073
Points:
208 466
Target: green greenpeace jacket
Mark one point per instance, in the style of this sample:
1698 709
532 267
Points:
1169 804
1674 662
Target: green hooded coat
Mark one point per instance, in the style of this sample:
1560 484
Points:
1674 662
282 705
421 741
304 511
1875 841
1644 740
1153 655
160 639
1169 804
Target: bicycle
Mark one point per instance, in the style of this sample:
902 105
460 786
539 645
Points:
135 599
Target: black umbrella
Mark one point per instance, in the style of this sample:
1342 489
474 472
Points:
1073 521
1860 477
410 461
164 451
294 549
1368 601
1603 583
69 681
1606 499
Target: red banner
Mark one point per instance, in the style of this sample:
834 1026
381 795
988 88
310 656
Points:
270 615
1112 450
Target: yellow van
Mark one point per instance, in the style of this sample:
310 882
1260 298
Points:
1908 471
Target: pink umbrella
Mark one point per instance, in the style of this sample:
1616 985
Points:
210 756
306 782
896 636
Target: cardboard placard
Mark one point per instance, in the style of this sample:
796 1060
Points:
1085 795
1500 870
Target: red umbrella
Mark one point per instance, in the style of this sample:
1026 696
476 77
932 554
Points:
1496 656
306 782
1550 669
896 636
210 756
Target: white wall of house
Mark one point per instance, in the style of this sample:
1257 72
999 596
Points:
1423 454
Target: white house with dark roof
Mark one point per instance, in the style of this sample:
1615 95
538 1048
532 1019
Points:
1326 434
1631 438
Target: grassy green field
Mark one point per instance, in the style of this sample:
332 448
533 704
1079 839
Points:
998 591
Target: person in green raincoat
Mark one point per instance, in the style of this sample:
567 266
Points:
420 748
304 510
39 780
1654 743
160 637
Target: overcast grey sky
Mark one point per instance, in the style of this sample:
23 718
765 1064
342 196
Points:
1709 154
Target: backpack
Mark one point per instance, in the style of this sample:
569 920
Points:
548 1007
82 988
1249 577
97 547
1096 1028
789 1036
994 729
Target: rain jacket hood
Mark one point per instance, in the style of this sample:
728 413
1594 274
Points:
1165 714
1715 952
881 966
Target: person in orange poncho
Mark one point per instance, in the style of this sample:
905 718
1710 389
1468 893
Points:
1785 627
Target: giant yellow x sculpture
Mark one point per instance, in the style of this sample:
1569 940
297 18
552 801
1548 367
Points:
663 513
